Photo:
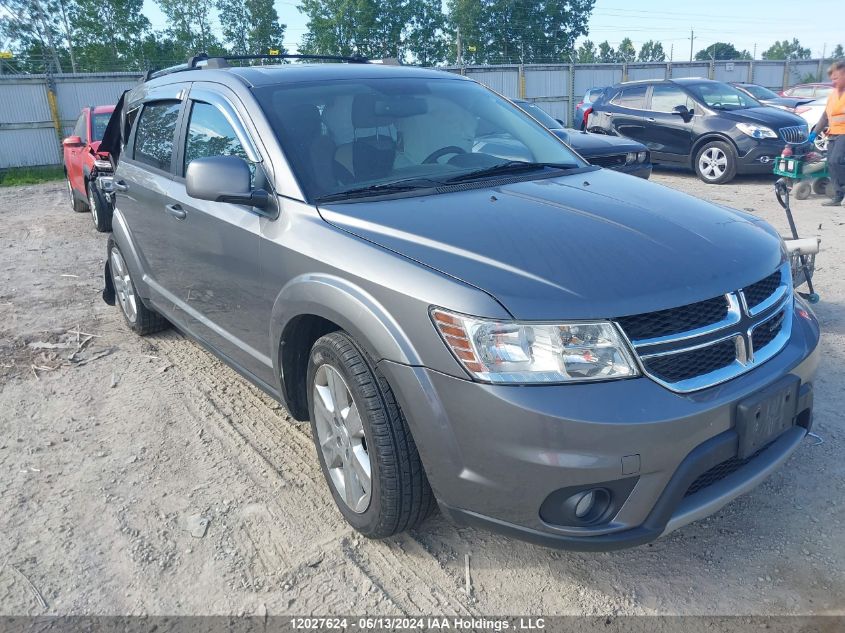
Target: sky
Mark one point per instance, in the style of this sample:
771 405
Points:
744 23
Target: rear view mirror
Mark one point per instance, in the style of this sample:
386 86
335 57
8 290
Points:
223 179
72 141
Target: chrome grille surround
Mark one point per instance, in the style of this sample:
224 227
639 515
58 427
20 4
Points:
795 134
774 312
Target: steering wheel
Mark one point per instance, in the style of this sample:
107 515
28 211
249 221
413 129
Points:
443 151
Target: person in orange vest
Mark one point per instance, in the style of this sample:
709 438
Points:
834 119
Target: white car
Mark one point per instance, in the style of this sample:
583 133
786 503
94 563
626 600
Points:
811 113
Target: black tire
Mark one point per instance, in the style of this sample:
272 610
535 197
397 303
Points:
401 497
714 150
101 211
802 190
144 320
79 205
820 186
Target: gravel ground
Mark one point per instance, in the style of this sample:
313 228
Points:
111 446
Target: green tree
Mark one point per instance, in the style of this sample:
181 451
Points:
355 27
39 34
606 53
251 26
626 51
651 51
467 17
838 53
586 53
787 50
721 50
118 47
190 26
426 37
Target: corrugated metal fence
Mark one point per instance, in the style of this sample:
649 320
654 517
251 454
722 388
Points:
28 133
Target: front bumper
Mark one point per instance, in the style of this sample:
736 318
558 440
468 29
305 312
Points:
757 156
640 170
494 453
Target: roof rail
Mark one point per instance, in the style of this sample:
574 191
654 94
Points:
221 61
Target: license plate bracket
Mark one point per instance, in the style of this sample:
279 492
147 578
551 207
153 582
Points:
765 415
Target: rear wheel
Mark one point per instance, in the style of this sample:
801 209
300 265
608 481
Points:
365 448
821 185
101 210
139 318
715 163
802 190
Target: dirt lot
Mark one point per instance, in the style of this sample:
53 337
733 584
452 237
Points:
107 451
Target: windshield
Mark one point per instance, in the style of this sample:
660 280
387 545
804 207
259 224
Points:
99 122
759 92
541 115
721 96
349 135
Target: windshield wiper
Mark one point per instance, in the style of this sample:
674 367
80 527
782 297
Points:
396 186
509 167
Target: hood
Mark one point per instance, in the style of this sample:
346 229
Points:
597 244
588 144
774 118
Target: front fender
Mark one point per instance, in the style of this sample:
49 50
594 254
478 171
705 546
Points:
347 305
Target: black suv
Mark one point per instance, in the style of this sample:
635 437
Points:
710 126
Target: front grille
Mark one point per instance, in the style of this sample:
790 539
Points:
608 161
720 471
697 362
794 134
675 320
757 293
765 333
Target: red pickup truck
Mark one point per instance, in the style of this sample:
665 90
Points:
84 163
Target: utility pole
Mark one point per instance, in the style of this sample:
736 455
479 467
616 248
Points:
691 38
671 52
460 49
754 55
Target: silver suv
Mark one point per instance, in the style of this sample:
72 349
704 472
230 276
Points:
569 355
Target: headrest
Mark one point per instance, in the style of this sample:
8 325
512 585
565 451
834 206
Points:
364 112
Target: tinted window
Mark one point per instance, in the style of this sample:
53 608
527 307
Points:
79 129
98 125
721 96
759 92
665 98
800 92
210 134
631 97
541 115
154 138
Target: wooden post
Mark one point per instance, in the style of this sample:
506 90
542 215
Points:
53 103
521 81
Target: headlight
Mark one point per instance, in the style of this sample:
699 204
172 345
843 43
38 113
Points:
630 157
642 157
516 352
756 131
102 164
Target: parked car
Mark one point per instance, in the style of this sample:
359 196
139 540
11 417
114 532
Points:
769 97
83 163
584 107
556 351
710 126
613 152
810 90
811 112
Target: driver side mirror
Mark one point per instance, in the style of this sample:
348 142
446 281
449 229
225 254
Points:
683 112
72 141
223 179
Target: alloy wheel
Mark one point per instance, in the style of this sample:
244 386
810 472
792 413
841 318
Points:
713 163
123 288
340 434
92 204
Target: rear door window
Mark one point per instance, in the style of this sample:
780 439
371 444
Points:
632 97
666 97
156 130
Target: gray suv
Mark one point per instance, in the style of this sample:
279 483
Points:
559 352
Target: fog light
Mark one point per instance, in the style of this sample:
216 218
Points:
589 505
585 504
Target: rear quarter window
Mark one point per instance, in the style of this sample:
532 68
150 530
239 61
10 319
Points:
630 97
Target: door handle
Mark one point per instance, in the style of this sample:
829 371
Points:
120 185
650 119
176 211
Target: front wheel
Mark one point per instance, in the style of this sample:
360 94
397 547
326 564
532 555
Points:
365 448
715 163
101 211
802 190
